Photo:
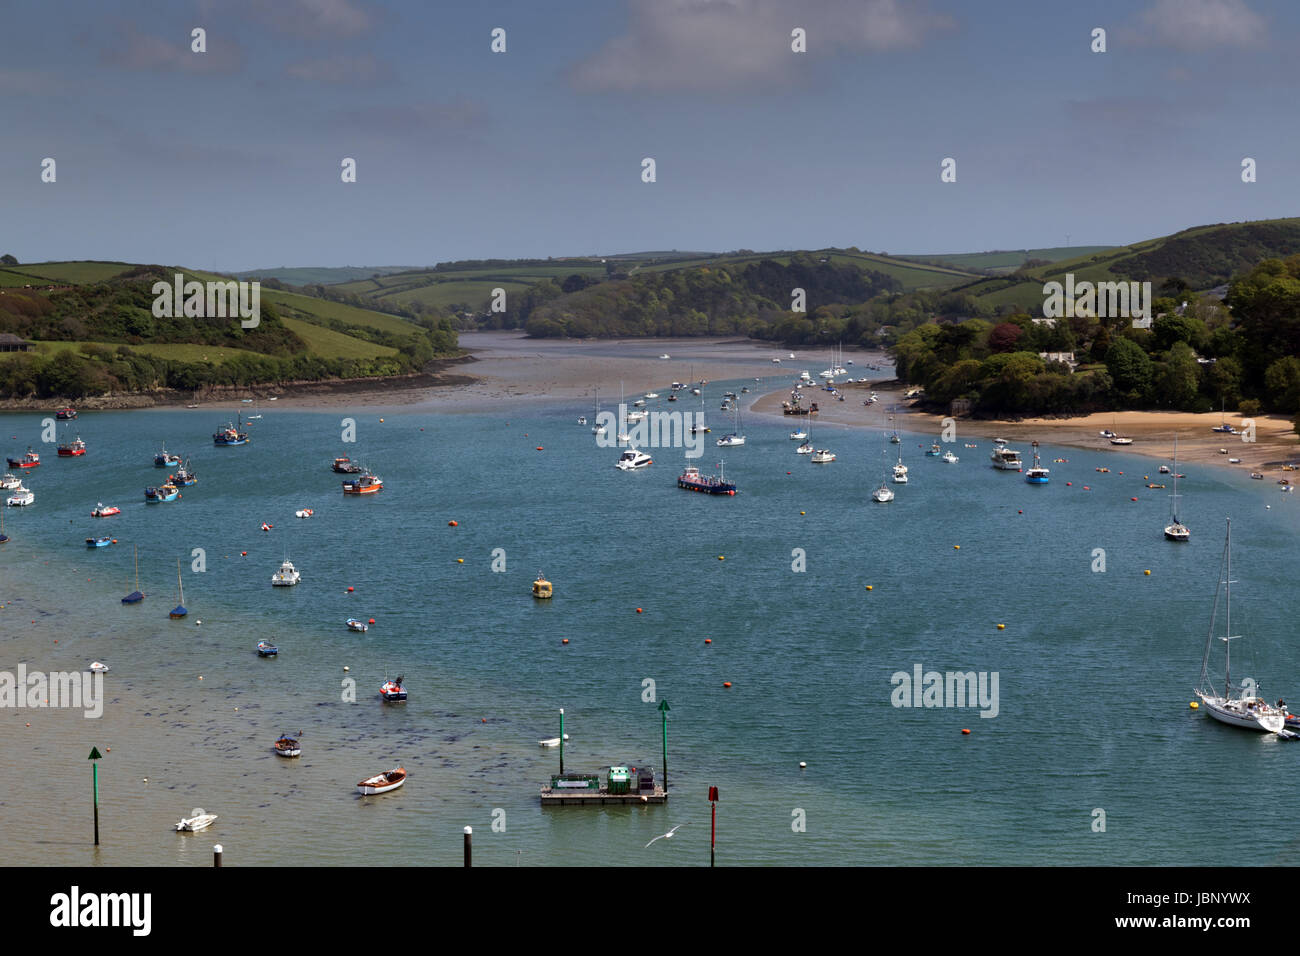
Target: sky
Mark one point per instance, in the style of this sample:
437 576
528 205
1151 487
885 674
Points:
230 159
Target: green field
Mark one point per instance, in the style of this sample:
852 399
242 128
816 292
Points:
181 352
72 273
329 344
307 307
1008 261
322 275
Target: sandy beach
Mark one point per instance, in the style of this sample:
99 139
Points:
1275 444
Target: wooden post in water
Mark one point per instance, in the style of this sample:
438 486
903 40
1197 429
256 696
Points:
561 741
663 710
94 776
713 826
469 834
216 855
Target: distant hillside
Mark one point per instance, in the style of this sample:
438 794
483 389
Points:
1005 261
94 331
319 275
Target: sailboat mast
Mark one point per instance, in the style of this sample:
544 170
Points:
1227 614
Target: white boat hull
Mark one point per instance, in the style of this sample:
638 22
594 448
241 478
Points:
1236 714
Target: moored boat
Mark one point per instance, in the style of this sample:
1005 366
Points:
267 649
286 576
30 459
21 498
692 480
72 449
356 625
99 667
542 588
184 476
230 434
363 484
66 414
346 466
102 510
9 482
392 690
100 542
1006 459
153 495
383 782
165 459
288 746
199 819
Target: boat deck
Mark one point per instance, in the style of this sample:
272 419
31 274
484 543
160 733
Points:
560 797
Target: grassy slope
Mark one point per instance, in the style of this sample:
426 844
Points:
1011 260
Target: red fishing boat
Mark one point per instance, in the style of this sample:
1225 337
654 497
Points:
102 510
29 460
72 449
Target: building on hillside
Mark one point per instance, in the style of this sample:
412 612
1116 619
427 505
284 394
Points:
1065 357
12 343
959 407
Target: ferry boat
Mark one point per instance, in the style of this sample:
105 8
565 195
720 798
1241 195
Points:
542 588
383 782
183 477
692 480
165 459
1006 459
29 460
288 746
229 434
287 576
154 495
100 542
346 466
21 498
72 449
392 690
364 484
631 459
66 414
355 625
102 510
267 649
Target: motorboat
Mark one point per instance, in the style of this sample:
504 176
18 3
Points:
9 482
364 484
99 667
935 451
551 741
822 456
21 498
287 576
153 495
72 449
950 458
303 513
30 459
383 782
66 414
392 690
230 434
356 625
165 459
100 542
183 477
267 649
199 819
102 510
542 588
1037 475
900 474
631 459
288 746
346 466
1006 459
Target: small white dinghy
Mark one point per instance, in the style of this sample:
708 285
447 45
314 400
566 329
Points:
383 782
552 742
199 819
99 667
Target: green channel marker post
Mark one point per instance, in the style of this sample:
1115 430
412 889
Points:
94 776
663 710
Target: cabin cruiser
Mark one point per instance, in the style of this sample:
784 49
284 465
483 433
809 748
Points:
287 576
631 459
1006 459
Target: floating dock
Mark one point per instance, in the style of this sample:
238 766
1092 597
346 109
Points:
622 785
552 796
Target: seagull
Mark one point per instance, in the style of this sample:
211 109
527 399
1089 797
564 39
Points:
669 834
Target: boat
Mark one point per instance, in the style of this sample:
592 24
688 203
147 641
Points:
267 649
1257 476
900 469
153 495
30 459
805 449
1164 469
822 456
665 356
99 667
631 459
883 493
541 587
66 414
364 484
596 427
935 451
1117 440
798 435
303 513
9 482
72 449
288 746
21 498
136 596
392 690
551 741
383 782
1176 530
692 480
287 576
102 510
582 419
1006 459
1249 712
651 394
346 466
949 457
165 459
355 625
635 416
1037 475
699 428
183 477
179 610
100 542
199 819
228 435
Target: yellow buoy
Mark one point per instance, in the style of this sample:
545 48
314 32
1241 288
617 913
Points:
956 547
868 587
1194 705
1147 571
1002 627
721 558
460 560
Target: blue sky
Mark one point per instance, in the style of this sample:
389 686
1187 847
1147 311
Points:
230 159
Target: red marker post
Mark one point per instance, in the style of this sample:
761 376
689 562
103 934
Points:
713 826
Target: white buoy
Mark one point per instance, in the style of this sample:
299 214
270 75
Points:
802 765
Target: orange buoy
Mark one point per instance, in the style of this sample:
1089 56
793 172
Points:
1132 499
1069 484
1019 512
372 620
638 610
564 641
453 524
349 590
965 730
539 447
708 640
726 683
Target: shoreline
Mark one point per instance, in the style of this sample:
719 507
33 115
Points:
1152 432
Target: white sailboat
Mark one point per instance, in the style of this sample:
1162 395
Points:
1176 531
735 437
596 428
1248 712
